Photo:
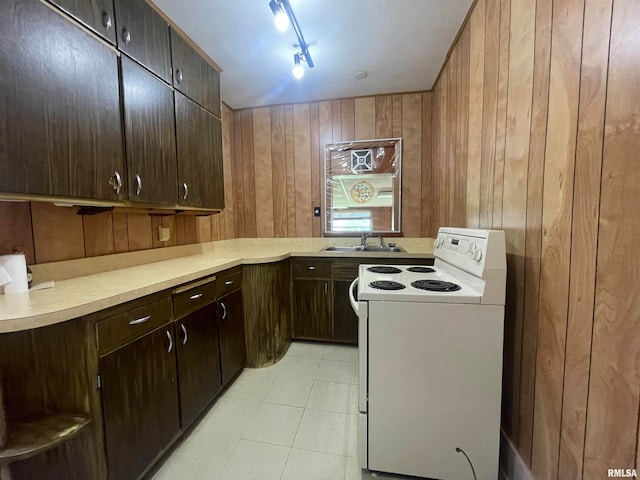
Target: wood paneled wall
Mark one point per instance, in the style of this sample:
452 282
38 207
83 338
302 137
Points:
278 160
536 130
48 233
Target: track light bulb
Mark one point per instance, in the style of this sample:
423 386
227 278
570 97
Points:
298 70
281 19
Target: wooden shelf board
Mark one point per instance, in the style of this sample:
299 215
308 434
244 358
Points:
30 438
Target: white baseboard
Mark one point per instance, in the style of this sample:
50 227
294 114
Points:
512 467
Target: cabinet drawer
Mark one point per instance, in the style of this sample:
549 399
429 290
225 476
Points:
126 326
311 268
193 296
229 281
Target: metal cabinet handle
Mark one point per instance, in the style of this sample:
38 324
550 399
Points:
326 288
228 282
170 342
178 76
196 296
116 182
138 184
311 268
186 191
126 35
138 321
184 332
106 20
224 310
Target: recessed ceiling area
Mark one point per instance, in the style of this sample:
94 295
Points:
400 44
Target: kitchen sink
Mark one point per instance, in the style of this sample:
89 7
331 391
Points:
367 248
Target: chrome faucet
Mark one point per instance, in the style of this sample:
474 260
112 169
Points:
363 239
382 244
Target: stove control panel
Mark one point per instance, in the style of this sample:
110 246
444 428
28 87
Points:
471 248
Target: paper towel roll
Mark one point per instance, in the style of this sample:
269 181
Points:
16 266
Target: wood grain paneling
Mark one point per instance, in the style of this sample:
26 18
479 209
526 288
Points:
57 233
290 178
411 164
16 229
612 414
476 87
227 160
347 116
290 175
538 76
365 118
140 232
279 165
237 172
584 242
427 145
533 234
248 174
513 212
489 110
564 87
302 174
98 234
263 171
501 112
120 233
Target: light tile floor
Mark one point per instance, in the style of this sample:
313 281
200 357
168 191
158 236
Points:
292 421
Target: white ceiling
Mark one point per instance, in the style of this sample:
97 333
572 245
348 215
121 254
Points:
401 44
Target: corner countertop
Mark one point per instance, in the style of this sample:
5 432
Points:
103 282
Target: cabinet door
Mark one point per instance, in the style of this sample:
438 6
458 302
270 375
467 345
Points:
312 309
199 139
194 76
345 321
140 402
198 362
95 14
144 35
233 353
150 136
60 128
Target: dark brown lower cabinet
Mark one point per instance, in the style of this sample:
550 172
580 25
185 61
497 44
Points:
345 321
198 362
311 309
233 354
140 402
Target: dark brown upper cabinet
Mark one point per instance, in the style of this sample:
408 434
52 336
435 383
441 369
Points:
194 76
60 127
199 139
95 14
144 36
149 136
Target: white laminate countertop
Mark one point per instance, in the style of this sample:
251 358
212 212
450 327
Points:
91 292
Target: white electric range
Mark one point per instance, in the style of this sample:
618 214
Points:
430 359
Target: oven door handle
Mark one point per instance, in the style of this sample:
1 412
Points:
352 299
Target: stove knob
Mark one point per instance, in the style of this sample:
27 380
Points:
477 255
472 248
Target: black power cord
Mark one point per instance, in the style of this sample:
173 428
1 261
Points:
473 470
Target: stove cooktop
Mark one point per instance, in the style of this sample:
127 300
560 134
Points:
384 269
386 285
413 283
436 286
420 270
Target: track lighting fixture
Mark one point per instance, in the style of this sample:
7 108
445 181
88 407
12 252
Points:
297 70
281 19
284 15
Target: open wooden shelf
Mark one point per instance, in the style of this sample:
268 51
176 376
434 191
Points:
30 438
